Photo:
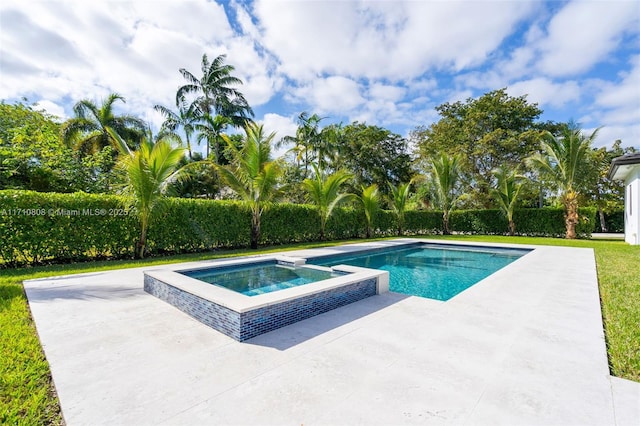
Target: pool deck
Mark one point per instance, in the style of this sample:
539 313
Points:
524 346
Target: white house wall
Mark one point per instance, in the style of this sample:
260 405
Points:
632 207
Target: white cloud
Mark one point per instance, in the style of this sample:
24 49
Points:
245 21
334 94
629 135
255 69
484 80
283 126
546 92
387 63
626 93
616 107
386 92
421 86
76 50
200 20
584 33
395 40
51 108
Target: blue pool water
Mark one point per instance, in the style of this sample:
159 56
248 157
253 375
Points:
253 279
433 271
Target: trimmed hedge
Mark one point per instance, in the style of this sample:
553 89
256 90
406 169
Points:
49 227
188 225
614 221
38 226
545 222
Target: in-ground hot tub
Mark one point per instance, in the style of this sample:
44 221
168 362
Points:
243 312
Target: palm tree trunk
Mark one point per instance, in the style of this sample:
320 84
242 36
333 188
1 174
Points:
323 222
445 223
217 150
255 230
603 223
189 148
571 216
142 242
512 227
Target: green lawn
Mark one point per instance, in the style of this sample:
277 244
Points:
27 395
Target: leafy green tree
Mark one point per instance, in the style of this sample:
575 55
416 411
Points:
508 186
150 170
87 131
444 181
374 155
324 191
370 199
29 145
292 178
186 118
199 179
562 160
607 195
487 132
252 174
33 156
399 198
215 93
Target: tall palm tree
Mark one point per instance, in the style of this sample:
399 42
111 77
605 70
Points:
210 129
562 161
399 195
324 192
370 198
306 140
87 131
150 170
185 117
252 174
214 92
445 175
508 186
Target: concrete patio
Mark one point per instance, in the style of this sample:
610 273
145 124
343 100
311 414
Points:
524 346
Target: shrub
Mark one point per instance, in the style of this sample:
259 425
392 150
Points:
423 222
614 221
189 225
39 226
49 227
487 222
288 223
344 223
549 222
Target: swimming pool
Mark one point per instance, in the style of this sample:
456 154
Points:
259 296
246 297
435 271
259 278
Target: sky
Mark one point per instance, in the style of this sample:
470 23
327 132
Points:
386 63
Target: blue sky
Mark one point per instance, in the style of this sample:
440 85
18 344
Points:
386 63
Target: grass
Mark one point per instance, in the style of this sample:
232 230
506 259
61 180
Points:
27 394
